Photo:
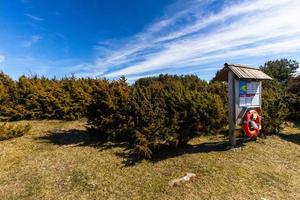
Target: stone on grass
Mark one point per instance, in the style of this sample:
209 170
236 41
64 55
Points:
183 179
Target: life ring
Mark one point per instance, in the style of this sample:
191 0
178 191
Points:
252 124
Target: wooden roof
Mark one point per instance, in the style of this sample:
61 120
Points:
241 72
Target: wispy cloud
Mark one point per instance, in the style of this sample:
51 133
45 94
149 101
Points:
33 17
35 65
251 28
34 39
2 58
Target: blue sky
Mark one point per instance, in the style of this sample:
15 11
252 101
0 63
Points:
138 38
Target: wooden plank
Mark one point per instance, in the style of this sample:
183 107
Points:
260 92
237 101
231 108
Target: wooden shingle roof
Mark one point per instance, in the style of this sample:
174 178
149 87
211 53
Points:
241 72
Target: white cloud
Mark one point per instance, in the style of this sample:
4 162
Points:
33 17
34 39
248 29
2 58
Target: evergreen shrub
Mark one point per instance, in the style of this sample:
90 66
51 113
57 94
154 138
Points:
13 131
164 110
275 109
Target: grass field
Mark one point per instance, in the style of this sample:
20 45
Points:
57 160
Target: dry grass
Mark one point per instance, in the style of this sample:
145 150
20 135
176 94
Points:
50 163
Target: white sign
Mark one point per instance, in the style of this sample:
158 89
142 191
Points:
249 93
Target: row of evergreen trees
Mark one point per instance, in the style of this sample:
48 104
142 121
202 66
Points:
43 98
155 111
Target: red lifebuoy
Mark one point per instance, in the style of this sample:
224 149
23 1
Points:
251 124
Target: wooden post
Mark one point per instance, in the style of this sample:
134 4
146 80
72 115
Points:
260 93
231 108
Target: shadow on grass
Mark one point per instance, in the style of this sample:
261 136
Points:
79 138
165 152
83 138
295 138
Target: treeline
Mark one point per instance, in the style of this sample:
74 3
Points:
155 111
43 98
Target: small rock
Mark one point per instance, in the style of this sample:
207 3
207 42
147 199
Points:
237 149
178 181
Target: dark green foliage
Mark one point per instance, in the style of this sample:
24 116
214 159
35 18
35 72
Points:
281 97
43 98
7 95
164 110
108 113
13 131
293 99
281 70
274 107
282 101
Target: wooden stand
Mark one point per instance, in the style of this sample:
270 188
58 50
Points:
238 78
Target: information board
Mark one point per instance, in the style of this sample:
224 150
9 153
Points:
249 93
